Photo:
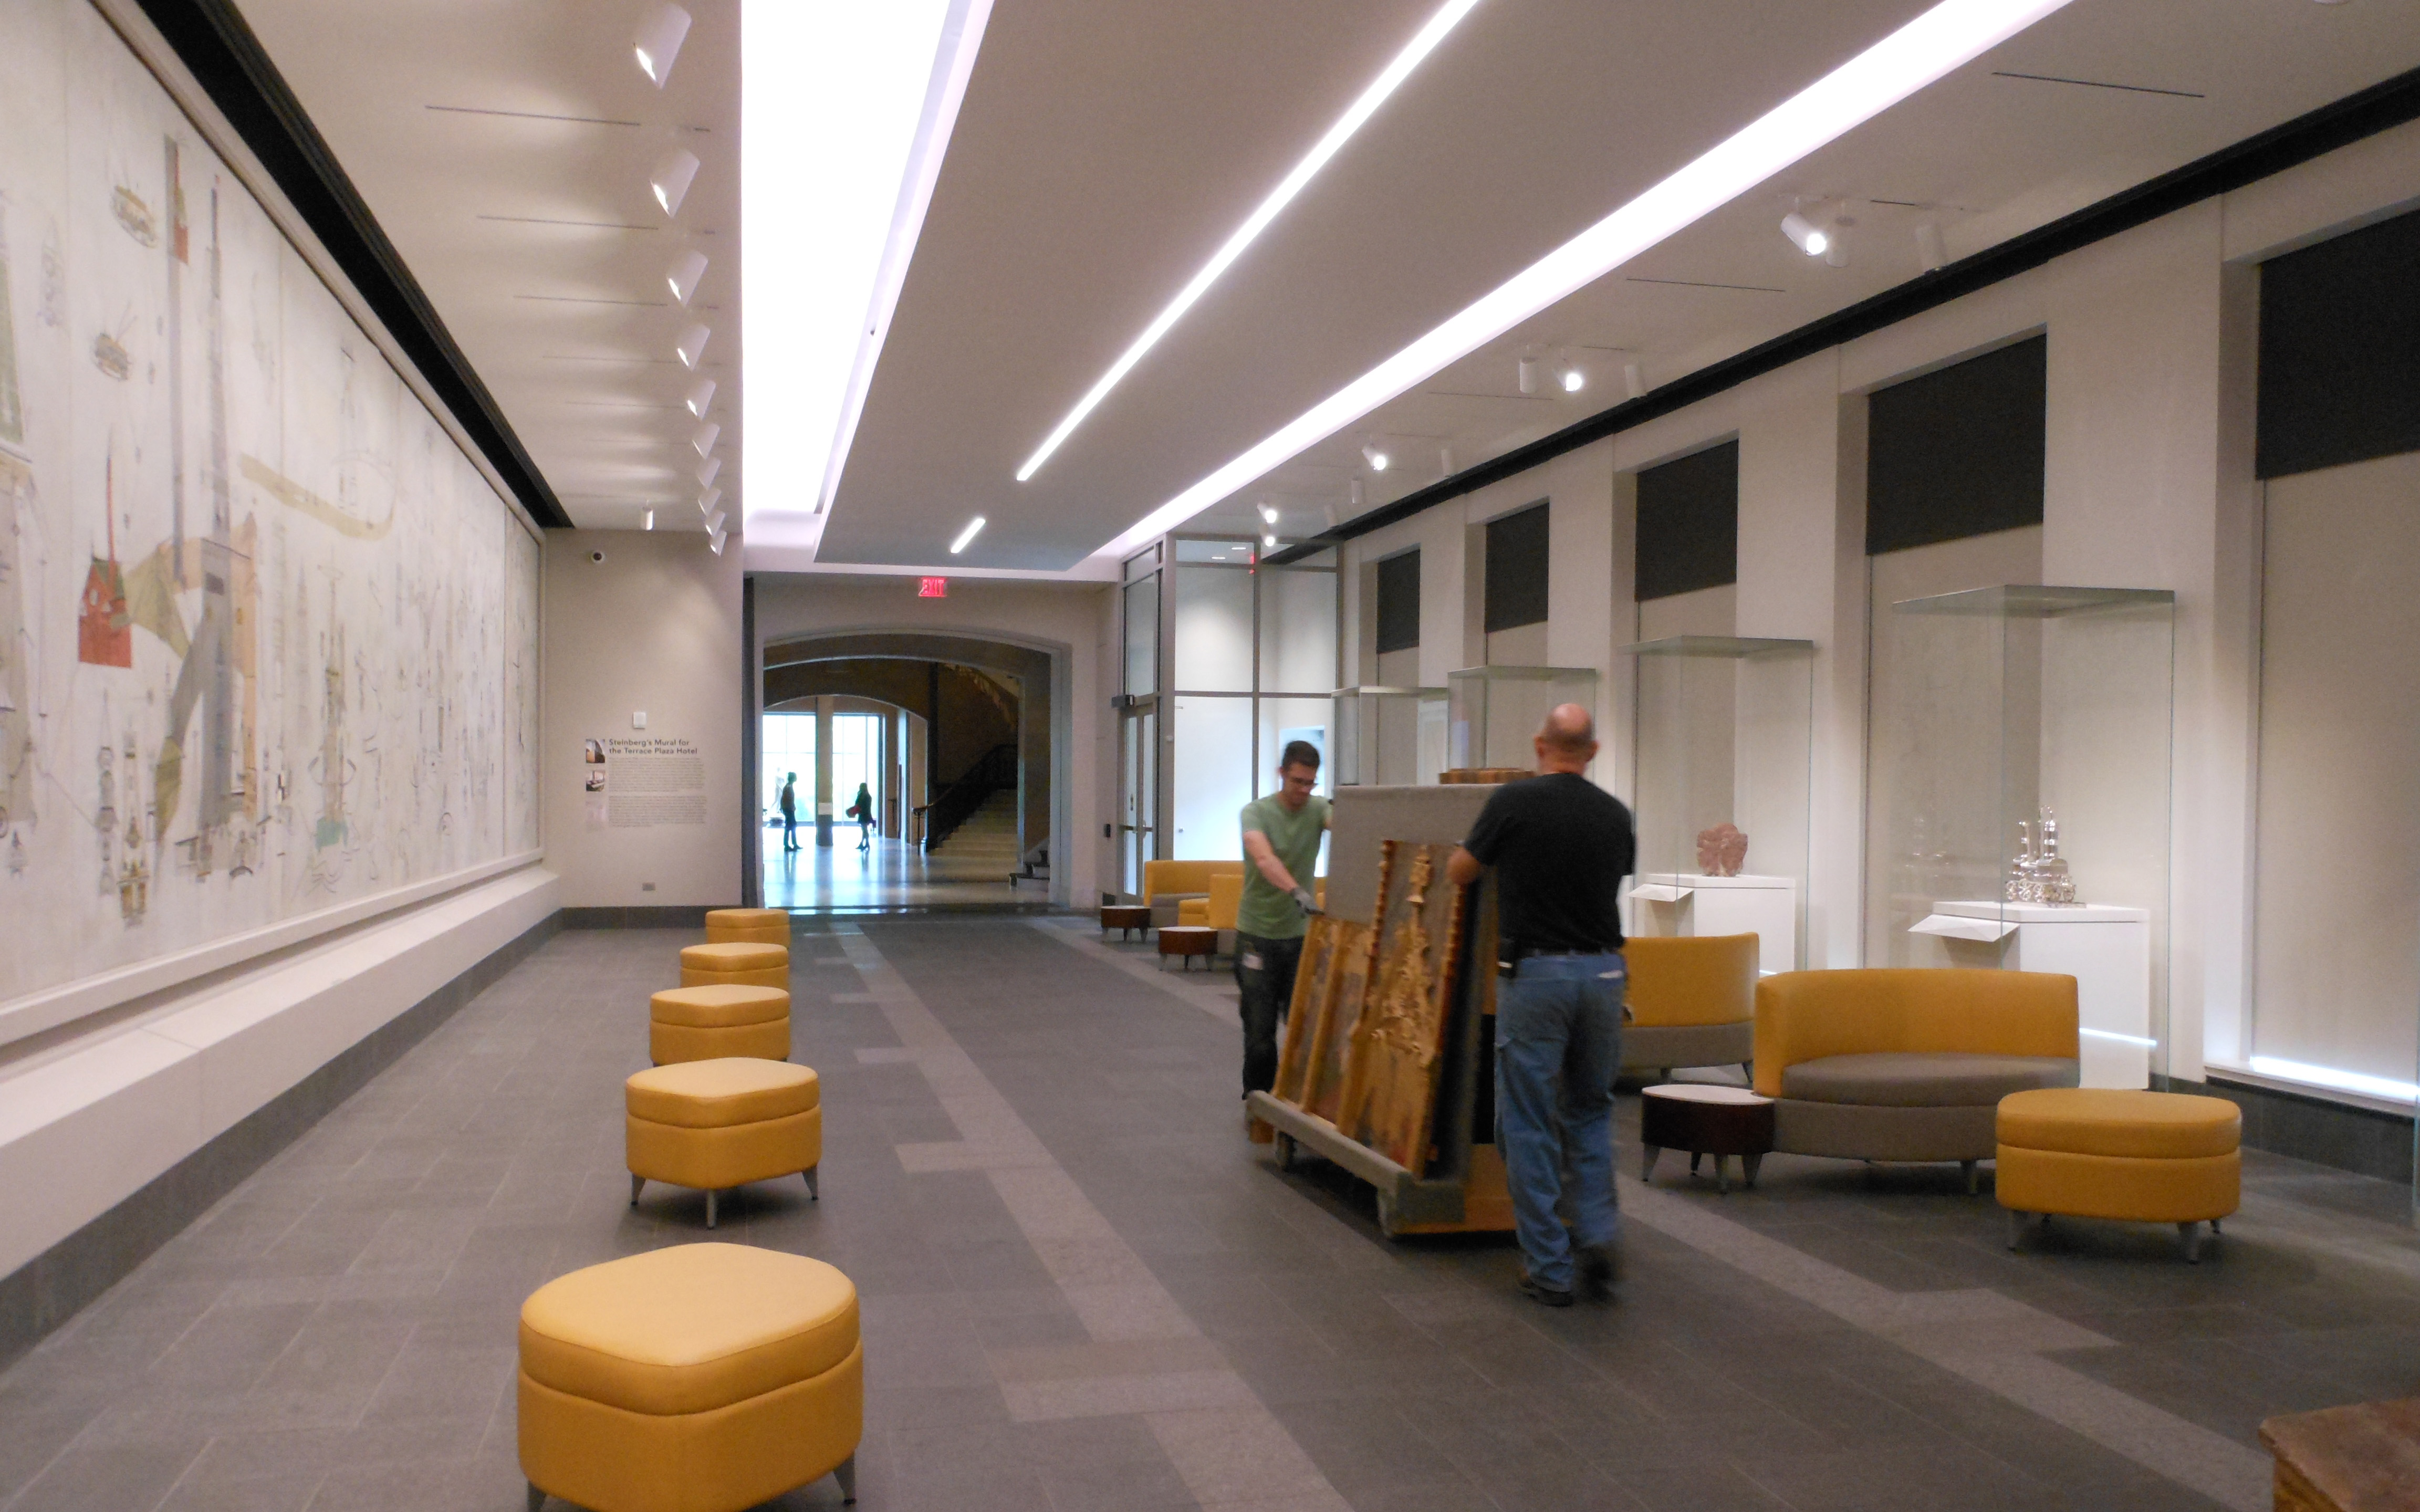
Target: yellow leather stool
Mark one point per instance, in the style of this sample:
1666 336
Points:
719 1123
705 1023
703 1377
755 927
735 963
2139 1157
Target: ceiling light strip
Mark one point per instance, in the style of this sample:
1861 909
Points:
1946 38
1414 53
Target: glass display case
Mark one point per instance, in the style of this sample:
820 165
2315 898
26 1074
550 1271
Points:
1493 712
1388 737
2020 800
1724 737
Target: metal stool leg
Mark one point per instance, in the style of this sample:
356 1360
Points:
846 1476
815 1193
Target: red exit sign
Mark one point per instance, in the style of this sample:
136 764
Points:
933 588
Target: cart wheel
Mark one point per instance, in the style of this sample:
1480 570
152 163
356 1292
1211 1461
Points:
1386 1215
1287 1153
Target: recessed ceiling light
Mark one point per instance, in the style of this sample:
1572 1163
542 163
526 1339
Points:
690 348
1946 36
683 276
707 434
659 42
675 172
699 397
1424 42
974 528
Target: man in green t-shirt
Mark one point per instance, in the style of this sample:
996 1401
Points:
1281 835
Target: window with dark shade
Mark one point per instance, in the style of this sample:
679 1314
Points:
1516 570
1957 452
1688 524
1398 602
2339 327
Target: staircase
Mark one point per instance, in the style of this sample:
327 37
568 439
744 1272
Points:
986 838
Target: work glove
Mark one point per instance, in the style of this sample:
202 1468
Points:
1304 901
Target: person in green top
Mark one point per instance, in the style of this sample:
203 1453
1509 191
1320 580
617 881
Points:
1281 835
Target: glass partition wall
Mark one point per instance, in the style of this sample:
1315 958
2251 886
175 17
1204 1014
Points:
2020 799
1723 747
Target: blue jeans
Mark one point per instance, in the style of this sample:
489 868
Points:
1557 1046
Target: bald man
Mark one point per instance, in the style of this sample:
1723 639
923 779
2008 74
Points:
1559 846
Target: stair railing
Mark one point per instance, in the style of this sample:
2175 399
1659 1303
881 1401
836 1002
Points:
994 770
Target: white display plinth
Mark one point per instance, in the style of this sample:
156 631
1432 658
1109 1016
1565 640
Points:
1685 903
2106 949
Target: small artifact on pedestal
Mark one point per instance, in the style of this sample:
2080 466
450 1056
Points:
1722 851
2039 874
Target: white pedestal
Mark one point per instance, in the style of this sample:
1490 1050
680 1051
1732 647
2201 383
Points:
1684 903
2106 949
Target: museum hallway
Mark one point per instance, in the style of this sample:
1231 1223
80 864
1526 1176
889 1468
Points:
889 876
1083 1289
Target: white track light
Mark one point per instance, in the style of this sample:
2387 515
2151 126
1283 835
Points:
1634 382
1806 235
647 521
1270 542
1572 378
716 541
714 522
1931 254
1529 371
690 348
659 42
707 501
1445 460
1353 494
707 471
683 276
701 396
1268 515
675 172
1374 455
707 434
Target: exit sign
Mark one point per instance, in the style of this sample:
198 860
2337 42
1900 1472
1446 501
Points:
933 588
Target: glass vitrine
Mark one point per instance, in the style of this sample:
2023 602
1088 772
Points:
1723 745
1390 736
2020 800
1493 712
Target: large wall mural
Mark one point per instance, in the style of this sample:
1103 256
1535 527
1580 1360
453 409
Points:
268 640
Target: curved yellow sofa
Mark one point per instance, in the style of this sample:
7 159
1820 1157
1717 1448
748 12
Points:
702 1377
1898 1064
2135 1156
1692 1002
1167 885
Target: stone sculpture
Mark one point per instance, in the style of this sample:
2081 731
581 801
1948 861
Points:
1722 851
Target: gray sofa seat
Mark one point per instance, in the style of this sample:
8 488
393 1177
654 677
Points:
1917 1079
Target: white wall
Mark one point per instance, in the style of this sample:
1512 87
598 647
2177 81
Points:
654 627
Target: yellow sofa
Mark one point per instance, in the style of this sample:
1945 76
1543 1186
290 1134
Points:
1167 884
702 1377
1895 1063
1692 1002
2137 1157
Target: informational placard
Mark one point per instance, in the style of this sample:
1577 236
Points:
646 781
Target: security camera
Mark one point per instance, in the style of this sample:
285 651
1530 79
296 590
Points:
597 556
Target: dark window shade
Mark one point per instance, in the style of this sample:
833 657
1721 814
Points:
1688 524
1398 602
2340 350
1516 570
1957 453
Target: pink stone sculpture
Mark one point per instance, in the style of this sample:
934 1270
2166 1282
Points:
1721 850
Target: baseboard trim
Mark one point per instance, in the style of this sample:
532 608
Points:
44 1293
2315 1129
652 916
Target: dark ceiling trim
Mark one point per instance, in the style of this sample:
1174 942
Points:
2379 108
214 43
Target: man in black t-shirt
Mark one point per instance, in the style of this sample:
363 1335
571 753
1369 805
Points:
1559 846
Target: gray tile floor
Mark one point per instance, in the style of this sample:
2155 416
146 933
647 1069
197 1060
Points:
338 1332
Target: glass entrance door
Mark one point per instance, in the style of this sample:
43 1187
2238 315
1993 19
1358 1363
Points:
1138 792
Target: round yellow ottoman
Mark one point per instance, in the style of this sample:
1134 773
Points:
719 1123
757 926
2139 1157
705 1023
735 963
703 1377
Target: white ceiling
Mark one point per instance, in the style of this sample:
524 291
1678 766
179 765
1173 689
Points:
1105 148
506 150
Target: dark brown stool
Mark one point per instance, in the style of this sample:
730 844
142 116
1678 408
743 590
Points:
1186 941
1705 1120
1126 918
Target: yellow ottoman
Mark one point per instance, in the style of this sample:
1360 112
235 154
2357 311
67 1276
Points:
705 1023
722 1123
2140 1157
754 927
703 1377
735 963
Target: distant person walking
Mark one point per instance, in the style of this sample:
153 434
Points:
1559 846
789 811
1280 849
862 811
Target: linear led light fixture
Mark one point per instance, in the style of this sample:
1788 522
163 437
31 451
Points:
965 536
1946 38
2376 1087
690 348
1424 42
659 42
707 434
682 276
675 172
700 398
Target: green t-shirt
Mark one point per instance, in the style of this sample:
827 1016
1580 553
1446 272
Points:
1294 834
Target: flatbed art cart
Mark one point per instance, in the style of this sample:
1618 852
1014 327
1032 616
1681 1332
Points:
1388 1065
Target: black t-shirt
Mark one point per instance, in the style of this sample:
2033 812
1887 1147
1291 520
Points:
1560 845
